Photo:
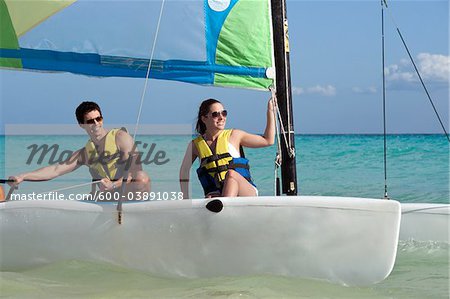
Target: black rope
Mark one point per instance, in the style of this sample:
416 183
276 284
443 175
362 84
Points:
4 181
384 100
423 84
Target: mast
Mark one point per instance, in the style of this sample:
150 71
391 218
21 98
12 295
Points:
284 96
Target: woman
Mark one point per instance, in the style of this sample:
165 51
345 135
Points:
223 170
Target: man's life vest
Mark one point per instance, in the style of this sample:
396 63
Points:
104 165
214 167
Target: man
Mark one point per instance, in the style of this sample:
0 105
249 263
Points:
109 154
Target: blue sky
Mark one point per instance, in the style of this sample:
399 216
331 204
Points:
336 78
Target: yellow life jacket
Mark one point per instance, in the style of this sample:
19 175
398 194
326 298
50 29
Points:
221 156
105 164
214 167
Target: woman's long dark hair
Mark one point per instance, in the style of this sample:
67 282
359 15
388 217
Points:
200 127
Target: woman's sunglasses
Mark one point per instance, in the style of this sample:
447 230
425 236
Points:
216 114
93 120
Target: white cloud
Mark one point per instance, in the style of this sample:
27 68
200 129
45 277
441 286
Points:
372 89
368 90
434 68
297 90
327 90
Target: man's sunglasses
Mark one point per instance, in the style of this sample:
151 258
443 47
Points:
216 114
93 120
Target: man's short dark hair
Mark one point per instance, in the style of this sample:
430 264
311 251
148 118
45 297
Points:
84 108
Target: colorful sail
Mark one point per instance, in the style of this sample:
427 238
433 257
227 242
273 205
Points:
209 42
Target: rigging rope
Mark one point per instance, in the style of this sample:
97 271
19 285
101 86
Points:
278 157
279 126
148 70
122 189
418 74
288 94
384 102
71 187
284 133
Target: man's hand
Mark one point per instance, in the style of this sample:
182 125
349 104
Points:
107 185
17 180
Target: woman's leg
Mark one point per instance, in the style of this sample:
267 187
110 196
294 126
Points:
236 185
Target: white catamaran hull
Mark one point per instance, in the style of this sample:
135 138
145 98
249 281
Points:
425 222
351 241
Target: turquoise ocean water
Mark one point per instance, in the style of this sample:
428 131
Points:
339 165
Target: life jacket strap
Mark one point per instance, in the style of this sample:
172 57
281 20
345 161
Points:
214 158
232 165
214 170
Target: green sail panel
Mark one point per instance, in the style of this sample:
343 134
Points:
242 81
8 37
246 40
